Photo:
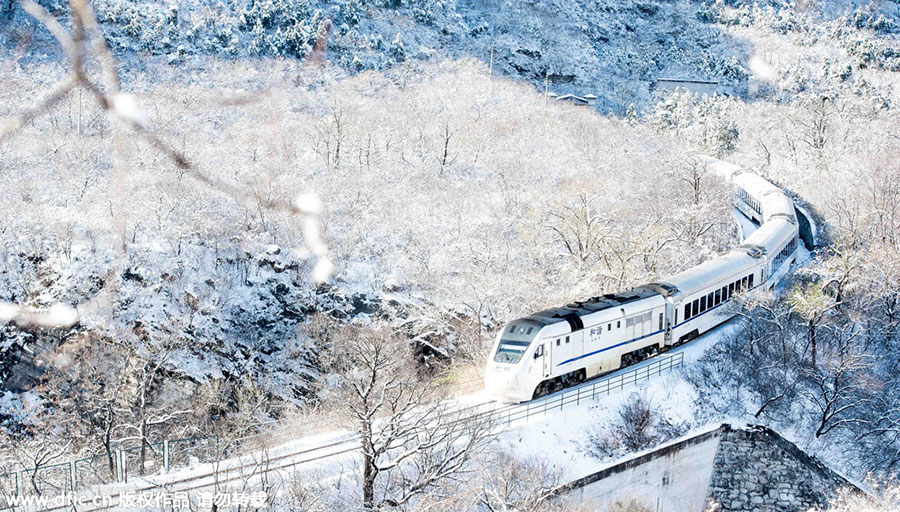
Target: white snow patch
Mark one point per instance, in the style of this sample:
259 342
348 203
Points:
8 312
125 107
762 69
309 204
60 315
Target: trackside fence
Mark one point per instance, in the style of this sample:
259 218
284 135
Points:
521 413
66 477
102 468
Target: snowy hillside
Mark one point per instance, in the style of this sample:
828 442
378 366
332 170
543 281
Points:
615 50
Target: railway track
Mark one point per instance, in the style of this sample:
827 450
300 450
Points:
501 416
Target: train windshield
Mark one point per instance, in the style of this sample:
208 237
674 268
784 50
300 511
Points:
510 351
515 339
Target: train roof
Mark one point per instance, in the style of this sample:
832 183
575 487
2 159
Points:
772 234
697 278
773 201
592 305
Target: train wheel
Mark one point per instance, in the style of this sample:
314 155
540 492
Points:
579 376
689 336
542 389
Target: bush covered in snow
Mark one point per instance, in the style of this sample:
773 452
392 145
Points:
639 424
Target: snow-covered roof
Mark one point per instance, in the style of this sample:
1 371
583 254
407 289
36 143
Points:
695 279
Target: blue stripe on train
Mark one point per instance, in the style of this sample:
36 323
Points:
691 319
608 348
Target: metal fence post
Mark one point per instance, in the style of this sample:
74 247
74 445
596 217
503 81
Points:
18 477
120 465
72 476
166 455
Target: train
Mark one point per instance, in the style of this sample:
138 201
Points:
563 346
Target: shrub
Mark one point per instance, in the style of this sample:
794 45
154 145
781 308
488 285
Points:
640 424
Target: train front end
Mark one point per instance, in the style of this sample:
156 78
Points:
510 376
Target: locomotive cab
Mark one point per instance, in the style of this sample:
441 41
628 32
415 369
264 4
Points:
512 358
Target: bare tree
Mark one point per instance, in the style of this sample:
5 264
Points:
580 229
140 415
37 456
509 484
815 122
812 303
692 174
444 159
329 137
836 387
406 433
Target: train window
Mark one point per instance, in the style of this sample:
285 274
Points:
557 342
703 304
730 289
512 329
567 339
676 316
709 301
660 321
687 310
724 293
629 322
750 281
718 298
618 324
695 308
743 284
608 327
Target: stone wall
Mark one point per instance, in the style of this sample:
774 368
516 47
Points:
756 470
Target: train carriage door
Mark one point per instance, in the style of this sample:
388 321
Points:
545 359
547 364
670 314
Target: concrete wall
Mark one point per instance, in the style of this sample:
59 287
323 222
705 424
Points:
673 479
699 88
